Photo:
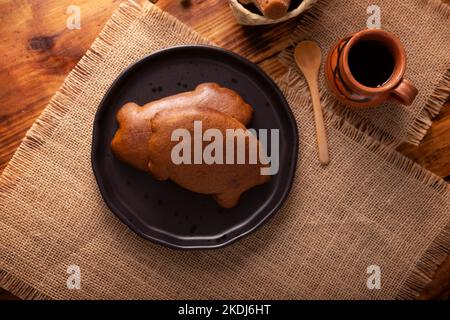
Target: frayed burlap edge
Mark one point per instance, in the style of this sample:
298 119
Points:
19 288
122 18
421 124
425 269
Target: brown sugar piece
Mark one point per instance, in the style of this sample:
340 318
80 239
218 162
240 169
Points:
130 141
272 9
224 180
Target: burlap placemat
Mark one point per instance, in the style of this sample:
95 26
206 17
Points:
424 28
370 206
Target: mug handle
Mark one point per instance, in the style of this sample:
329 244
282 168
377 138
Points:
405 92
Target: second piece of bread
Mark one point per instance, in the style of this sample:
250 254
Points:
272 9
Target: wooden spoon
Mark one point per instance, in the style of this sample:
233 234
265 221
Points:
308 57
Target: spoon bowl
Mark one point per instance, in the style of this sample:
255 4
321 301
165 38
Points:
308 56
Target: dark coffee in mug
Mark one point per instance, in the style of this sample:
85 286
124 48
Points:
371 63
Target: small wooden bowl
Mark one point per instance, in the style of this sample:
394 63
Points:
246 17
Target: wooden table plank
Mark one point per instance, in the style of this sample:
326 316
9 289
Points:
42 51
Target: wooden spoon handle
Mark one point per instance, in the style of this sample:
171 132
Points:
322 142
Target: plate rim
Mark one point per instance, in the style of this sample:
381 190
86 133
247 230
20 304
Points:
249 227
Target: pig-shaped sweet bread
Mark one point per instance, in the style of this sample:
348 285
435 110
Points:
130 141
143 141
224 180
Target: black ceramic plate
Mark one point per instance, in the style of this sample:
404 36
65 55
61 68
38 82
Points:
162 211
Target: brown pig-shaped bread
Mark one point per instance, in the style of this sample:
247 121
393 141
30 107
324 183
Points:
225 181
272 9
130 141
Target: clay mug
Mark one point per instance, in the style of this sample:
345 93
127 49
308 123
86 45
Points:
366 69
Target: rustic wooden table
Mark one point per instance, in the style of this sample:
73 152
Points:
38 52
